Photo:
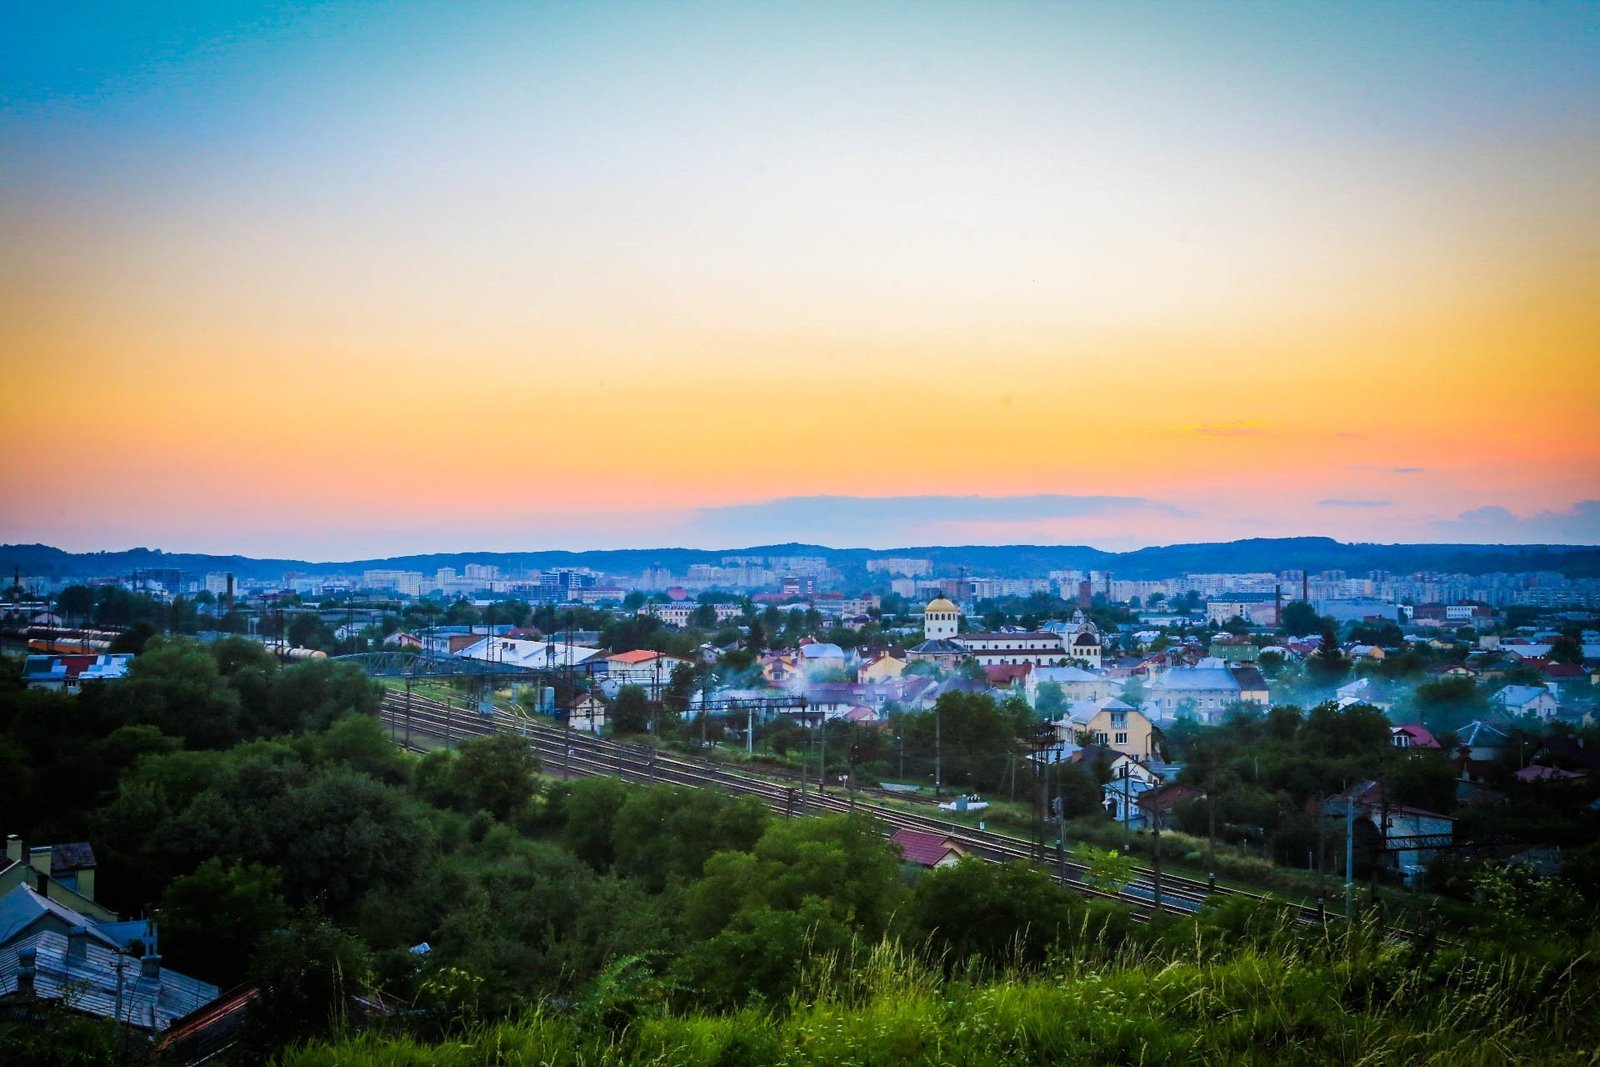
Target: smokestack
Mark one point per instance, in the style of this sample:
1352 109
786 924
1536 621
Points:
228 606
14 848
1305 586
78 943
25 970
1277 605
150 967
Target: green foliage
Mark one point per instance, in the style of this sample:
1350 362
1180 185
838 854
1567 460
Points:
212 918
1299 619
993 913
630 711
494 774
306 976
667 833
1105 869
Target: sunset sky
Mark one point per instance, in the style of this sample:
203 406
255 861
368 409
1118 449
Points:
351 279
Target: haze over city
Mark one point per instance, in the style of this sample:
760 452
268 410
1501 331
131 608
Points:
343 280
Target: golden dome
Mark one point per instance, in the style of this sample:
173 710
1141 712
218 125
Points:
940 604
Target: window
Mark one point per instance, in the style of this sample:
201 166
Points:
1122 739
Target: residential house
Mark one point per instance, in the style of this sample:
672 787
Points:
645 668
819 657
63 874
1364 691
882 666
1204 692
927 849
588 714
1408 836
1109 723
1158 803
1075 683
80 972
1412 736
1008 676
1526 700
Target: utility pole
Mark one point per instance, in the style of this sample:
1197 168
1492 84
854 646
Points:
1061 829
822 757
1349 857
1127 838
1155 822
938 753
408 712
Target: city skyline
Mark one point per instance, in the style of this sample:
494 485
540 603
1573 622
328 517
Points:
354 280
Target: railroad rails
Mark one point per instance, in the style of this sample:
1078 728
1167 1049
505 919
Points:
576 754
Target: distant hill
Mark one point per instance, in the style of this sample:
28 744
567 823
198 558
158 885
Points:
1256 554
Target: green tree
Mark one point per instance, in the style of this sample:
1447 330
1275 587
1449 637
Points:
630 711
1327 666
996 912
1299 618
305 977
213 918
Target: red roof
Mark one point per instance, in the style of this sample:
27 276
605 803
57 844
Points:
919 846
1420 735
1564 670
640 655
1007 673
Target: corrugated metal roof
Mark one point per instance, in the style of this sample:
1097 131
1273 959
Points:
89 983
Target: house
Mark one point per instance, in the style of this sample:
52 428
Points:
816 657
1412 736
403 641
881 667
645 668
1075 683
1567 753
63 874
1363 691
1158 803
1129 780
1481 741
1110 723
1204 692
927 849
52 953
588 714
1526 700
1008 675
1409 835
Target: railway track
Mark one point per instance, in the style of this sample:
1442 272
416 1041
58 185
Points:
573 754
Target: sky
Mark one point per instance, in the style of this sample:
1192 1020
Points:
353 279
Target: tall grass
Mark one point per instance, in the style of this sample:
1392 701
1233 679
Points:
1241 989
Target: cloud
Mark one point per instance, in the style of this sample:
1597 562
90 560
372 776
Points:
1334 502
1226 429
1577 524
1488 513
1407 470
905 519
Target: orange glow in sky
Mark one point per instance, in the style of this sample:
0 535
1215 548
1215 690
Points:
359 280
